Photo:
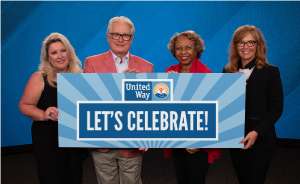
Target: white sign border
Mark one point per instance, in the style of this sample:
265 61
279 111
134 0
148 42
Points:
149 139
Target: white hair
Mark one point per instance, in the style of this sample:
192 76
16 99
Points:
120 19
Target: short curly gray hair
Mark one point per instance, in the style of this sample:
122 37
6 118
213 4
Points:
191 35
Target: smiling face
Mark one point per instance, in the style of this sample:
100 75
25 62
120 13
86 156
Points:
185 51
120 47
58 56
247 53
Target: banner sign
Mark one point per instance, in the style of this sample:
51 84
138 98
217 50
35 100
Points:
160 110
137 121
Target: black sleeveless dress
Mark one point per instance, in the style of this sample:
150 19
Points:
55 165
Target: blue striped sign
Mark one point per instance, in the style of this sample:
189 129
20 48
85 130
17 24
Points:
155 110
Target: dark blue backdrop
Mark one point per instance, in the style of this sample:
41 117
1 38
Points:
24 25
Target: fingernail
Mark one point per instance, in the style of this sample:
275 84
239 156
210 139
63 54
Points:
242 142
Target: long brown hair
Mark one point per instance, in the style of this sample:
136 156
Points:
261 50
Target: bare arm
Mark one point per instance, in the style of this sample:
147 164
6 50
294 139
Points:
30 99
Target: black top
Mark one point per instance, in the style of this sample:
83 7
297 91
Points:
55 164
250 65
48 97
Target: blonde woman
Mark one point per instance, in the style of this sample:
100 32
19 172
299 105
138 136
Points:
39 103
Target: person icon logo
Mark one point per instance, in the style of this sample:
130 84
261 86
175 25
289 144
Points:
161 91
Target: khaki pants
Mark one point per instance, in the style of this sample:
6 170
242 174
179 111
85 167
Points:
113 168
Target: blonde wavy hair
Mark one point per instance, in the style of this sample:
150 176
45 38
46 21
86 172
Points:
191 35
261 50
46 69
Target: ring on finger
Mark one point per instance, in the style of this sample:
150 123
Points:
50 113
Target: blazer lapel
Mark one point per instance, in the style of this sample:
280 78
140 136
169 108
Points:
110 63
132 63
253 76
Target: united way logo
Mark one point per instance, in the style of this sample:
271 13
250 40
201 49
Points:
161 91
147 90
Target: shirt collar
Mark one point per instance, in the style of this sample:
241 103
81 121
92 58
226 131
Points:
125 59
250 65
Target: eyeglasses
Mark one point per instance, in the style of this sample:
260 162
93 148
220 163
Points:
116 36
250 43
